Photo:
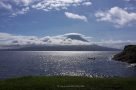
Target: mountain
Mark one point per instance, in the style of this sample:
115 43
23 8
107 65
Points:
63 48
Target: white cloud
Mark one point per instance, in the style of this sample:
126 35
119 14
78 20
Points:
87 3
16 7
19 6
48 5
5 36
118 16
10 39
76 16
5 6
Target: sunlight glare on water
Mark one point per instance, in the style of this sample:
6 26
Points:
72 63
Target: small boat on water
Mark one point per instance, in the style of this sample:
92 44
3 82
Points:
93 58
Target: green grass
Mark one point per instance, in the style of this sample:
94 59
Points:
67 83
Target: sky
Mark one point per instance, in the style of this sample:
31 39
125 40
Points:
109 23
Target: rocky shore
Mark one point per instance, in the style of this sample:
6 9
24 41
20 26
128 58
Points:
127 55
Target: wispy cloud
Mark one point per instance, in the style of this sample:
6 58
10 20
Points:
22 11
5 5
21 6
23 2
75 16
116 15
48 5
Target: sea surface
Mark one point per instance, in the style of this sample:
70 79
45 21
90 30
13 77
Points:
72 63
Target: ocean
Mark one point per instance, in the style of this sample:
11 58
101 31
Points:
70 63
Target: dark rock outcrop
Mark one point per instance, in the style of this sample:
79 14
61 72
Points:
127 55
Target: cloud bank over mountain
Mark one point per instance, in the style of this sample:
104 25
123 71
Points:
66 39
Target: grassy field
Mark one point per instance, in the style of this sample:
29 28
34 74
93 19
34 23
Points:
68 83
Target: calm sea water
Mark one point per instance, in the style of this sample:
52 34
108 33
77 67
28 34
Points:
73 63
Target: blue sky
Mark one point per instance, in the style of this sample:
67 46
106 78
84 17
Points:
104 21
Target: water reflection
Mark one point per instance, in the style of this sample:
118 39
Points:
63 63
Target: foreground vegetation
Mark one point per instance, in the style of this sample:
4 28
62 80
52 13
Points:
68 83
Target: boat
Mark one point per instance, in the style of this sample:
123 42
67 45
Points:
93 58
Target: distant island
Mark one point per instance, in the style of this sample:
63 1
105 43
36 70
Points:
127 55
62 48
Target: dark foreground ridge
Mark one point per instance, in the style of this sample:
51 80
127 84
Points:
68 83
127 55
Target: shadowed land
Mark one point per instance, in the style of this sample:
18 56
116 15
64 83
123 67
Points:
127 55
